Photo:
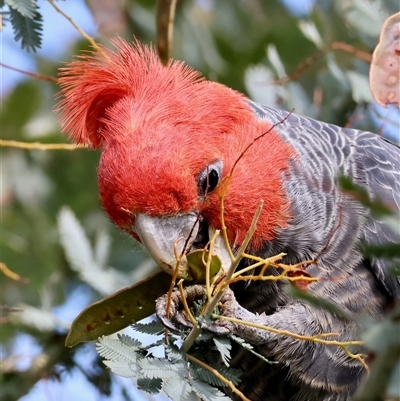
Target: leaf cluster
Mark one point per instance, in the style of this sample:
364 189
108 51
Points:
173 375
26 21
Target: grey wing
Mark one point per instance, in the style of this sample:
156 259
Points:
380 161
370 160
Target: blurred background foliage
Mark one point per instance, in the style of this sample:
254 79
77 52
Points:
254 46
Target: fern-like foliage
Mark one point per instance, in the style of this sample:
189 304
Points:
173 375
26 21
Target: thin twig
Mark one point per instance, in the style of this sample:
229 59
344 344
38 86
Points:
185 305
13 276
39 146
220 288
165 28
31 74
318 338
81 31
178 259
208 263
304 65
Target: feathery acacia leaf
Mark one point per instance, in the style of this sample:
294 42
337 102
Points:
27 8
224 347
114 349
27 30
122 367
207 392
177 389
161 368
154 328
151 386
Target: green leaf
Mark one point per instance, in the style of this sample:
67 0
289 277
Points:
81 258
359 87
197 268
322 303
224 347
207 392
177 389
249 348
27 8
161 368
233 375
27 29
129 341
206 376
19 107
151 386
114 349
381 251
122 367
376 206
119 310
154 328
173 352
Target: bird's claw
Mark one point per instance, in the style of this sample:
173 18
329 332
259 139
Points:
177 313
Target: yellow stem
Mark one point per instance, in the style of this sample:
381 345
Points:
13 276
81 31
185 305
316 339
39 146
208 264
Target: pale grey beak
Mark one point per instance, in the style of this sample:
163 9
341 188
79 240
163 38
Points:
160 235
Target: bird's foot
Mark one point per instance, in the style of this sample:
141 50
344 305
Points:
195 296
178 320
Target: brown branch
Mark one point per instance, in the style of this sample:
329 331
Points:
304 65
81 31
31 74
165 28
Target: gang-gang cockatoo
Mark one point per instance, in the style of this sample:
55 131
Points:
169 137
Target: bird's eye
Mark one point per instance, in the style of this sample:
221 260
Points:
209 178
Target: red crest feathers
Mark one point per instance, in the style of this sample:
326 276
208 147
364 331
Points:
98 80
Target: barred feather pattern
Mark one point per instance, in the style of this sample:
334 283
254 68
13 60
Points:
327 224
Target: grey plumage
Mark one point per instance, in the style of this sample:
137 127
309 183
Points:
329 225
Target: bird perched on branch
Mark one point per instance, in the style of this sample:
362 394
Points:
169 138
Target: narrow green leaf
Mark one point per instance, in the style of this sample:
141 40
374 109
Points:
322 303
388 250
119 310
376 206
249 348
